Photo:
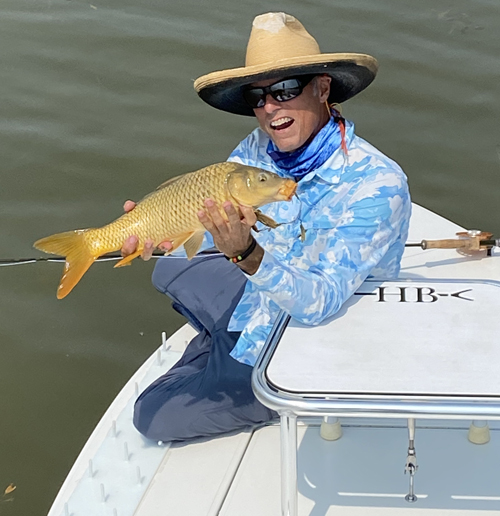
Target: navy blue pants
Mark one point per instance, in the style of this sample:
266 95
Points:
207 392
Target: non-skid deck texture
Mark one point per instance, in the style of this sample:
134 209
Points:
117 464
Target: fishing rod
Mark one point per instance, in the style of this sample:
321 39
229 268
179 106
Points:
472 240
104 258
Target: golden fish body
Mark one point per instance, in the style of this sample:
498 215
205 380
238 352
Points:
169 213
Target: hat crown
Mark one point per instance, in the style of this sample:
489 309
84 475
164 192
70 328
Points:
277 36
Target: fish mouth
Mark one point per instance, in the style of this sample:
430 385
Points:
287 190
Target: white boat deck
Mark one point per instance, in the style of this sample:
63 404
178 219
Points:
119 473
362 473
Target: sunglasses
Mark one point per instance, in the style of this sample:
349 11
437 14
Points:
286 89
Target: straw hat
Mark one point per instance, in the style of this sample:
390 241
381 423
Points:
279 46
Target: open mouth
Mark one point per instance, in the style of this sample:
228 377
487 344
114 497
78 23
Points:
281 123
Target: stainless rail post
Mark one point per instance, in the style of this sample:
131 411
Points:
288 430
411 461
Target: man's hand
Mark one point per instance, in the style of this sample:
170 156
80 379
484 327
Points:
232 237
130 245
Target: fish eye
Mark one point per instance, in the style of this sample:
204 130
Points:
262 177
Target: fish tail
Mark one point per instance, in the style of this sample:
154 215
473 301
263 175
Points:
74 248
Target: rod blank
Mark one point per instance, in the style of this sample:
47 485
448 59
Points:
8 262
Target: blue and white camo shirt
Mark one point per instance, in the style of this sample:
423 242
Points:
355 212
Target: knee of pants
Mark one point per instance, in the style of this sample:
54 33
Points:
165 422
165 415
138 419
179 417
146 408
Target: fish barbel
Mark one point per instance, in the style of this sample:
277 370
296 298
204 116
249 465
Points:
168 213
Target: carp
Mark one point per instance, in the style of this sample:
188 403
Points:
168 213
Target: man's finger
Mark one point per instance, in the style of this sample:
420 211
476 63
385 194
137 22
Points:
248 215
130 245
147 252
233 216
207 222
214 212
129 206
165 246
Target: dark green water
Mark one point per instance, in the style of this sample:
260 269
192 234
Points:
97 106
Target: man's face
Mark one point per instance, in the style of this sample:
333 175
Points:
292 123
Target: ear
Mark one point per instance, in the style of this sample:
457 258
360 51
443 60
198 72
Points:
323 85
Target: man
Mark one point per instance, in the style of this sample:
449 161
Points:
349 220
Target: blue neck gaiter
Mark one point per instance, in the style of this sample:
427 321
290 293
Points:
303 160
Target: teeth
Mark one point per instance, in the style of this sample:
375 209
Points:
281 121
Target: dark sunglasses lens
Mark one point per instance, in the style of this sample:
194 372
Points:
255 97
286 90
286 94
280 91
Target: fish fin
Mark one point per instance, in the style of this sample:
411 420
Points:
72 246
191 241
163 185
193 244
126 261
266 220
169 181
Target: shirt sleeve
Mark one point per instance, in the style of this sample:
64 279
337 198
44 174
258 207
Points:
335 261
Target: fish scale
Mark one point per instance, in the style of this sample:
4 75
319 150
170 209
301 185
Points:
167 214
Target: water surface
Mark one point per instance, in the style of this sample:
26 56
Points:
97 106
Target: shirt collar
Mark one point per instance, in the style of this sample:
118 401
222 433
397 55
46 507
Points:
334 167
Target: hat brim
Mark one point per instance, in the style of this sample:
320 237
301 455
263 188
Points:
350 73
